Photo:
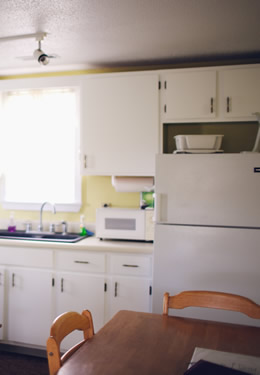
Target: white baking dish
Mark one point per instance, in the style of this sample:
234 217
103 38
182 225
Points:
198 141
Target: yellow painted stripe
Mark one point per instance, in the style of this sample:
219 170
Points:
79 72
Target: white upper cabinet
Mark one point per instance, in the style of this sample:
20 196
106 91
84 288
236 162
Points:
188 94
239 91
120 117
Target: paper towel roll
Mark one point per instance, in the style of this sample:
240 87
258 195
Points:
132 184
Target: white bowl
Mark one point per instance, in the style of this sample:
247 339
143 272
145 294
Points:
198 141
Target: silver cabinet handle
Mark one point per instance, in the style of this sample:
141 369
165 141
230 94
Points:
115 289
85 161
130 265
81 261
62 285
13 279
228 104
211 105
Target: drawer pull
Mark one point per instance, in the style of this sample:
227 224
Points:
13 280
62 285
211 105
115 289
81 261
130 265
228 104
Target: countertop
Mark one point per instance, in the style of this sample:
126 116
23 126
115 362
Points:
88 244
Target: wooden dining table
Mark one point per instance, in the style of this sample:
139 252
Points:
134 343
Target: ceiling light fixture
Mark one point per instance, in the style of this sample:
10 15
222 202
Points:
40 56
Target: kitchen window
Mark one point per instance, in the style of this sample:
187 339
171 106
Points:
40 148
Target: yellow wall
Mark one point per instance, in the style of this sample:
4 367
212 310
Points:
96 190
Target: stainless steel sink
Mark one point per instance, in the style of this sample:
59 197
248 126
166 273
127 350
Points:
41 236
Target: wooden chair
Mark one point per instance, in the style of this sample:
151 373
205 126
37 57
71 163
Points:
63 325
213 300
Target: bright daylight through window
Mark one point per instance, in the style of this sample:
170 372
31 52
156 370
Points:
40 135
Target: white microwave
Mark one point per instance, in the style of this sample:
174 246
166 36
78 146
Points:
125 224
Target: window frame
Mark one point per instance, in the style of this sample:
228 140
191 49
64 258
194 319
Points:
73 82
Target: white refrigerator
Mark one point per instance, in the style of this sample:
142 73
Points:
207 232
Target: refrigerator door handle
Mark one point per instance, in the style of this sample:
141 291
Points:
161 208
157 210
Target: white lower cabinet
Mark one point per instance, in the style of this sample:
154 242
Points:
29 308
2 299
130 284
37 285
129 293
78 292
26 293
79 285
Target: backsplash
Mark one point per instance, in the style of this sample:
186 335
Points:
96 190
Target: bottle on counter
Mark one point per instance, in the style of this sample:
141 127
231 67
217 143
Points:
83 230
11 225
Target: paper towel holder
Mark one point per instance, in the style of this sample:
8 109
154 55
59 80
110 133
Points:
133 184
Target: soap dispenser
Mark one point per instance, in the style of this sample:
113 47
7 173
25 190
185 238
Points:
11 225
83 230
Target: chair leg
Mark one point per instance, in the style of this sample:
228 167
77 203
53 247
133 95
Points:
53 355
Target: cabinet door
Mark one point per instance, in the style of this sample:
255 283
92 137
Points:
29 305
78 292
129 293
120 124
239 91
2 301
188 95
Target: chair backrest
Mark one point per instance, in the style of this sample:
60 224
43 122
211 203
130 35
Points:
213 300
63 325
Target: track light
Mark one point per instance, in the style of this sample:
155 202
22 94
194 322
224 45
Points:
40 56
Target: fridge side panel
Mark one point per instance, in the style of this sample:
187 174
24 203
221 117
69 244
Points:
211 189
197 258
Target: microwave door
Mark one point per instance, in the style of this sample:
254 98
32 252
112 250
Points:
124 228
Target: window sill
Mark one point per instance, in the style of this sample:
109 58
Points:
66 207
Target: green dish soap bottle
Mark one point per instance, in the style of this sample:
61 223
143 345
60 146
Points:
83 230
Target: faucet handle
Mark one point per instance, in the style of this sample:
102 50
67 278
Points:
28 226
52 228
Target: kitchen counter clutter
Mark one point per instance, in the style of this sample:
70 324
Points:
44 279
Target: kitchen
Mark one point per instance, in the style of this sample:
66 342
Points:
141 110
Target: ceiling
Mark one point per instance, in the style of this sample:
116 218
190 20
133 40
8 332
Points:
88 34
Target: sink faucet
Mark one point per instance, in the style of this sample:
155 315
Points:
40 227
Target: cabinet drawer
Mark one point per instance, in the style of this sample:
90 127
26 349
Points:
80 261
20 256
130 265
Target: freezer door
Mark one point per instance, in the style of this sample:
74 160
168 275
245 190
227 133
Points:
206 258
211 189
